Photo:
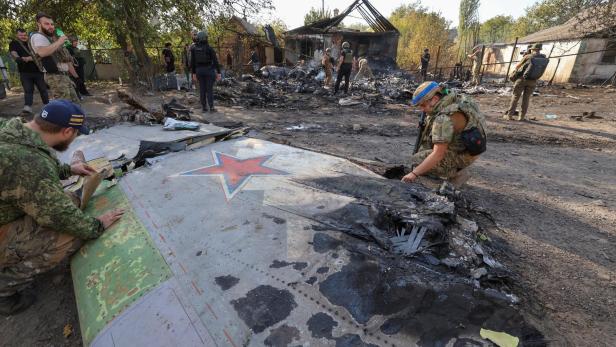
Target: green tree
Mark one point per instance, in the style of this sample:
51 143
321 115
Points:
468 27
127 23
315 15
420 28
496 29
548 13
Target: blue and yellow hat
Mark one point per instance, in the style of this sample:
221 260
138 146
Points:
65 114
424 92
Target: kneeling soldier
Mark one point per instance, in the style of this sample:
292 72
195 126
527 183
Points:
454 135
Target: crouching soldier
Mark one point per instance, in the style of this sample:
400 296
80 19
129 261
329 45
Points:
40 225
453 136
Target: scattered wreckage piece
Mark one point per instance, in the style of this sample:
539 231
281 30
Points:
140 114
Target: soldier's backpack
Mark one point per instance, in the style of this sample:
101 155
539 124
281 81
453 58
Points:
536 67
203 55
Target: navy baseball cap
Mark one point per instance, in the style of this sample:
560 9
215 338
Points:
65 114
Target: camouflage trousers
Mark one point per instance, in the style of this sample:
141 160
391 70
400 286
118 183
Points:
328 76
27 250
524 88
449 166
476 75
364 71
61 87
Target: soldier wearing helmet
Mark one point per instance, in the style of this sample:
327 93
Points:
524 84
454 135
206 69
345 65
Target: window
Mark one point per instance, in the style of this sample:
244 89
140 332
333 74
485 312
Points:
609 56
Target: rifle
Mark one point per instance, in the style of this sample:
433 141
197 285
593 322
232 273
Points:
422 125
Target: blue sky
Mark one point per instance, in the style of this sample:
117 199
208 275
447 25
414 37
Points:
292 11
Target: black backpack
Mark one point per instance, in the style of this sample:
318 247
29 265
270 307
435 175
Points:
203 55
537 66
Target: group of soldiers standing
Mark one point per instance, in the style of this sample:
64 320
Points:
347 62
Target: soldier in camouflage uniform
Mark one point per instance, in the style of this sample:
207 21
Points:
40 225
476 57
523 87
442 151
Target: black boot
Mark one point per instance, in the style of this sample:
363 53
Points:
16 303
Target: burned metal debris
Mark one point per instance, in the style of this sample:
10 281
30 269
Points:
281 87
138 113
412 221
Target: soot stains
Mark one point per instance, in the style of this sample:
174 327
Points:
352 340
299 265
282 336
364 291
226 282
264 306
323 243
392 326
277 264
323 270
435 310
321 325
276 220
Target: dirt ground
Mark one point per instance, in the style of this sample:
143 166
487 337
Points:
547 188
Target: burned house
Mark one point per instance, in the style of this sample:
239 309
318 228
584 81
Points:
579 52
237 42
378 45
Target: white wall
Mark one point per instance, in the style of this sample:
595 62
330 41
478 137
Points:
589 67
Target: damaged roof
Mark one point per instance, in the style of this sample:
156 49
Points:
583 25
371 15
250 29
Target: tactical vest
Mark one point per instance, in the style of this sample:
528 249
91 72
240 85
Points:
348 56
48 63
449 105
203 55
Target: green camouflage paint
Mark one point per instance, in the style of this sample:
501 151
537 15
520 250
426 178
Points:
113 271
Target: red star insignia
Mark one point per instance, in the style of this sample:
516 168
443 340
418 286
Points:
234 173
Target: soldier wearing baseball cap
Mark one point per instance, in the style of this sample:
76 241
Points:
40 224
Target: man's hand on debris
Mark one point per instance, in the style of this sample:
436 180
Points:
111 217
194 77
411 177
82 169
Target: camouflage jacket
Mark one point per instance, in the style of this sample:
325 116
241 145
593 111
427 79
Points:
439 127
30 177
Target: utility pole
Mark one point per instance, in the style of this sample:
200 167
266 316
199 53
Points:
323 7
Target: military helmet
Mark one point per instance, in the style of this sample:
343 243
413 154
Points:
346 45
537 46
425 92
202 36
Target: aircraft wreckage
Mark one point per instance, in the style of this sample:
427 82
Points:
234 241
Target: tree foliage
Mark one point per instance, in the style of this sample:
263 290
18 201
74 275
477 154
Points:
546 14
468 27
420 28
496 29
129 24
315 15
598 18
